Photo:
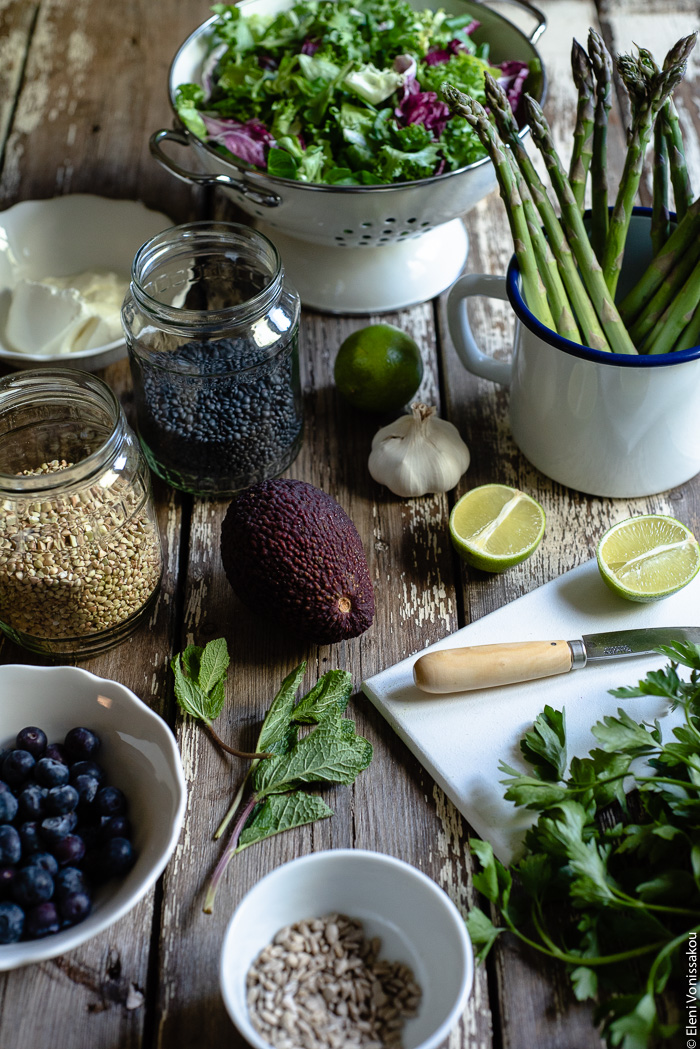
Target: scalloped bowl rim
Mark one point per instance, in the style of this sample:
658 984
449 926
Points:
113 210
114 902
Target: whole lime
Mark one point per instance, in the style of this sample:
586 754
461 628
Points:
378 368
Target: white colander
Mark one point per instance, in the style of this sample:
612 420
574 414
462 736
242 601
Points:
356 249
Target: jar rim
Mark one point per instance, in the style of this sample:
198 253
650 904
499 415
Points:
183 319
27 386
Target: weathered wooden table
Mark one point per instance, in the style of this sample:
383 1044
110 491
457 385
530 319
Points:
82 86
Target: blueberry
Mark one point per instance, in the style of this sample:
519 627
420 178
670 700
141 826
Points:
61 800
57 752
46 861
117 857
7 876
81 743
42 920
29 836
10 844
87 768
53 828
110 801
87 788
70 880
115 827
17 766
32 885
8 803
32 802
74 907
69 850
11 922
32 739
51 773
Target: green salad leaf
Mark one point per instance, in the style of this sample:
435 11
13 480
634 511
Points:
342 92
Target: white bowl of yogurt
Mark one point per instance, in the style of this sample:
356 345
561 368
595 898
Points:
65 265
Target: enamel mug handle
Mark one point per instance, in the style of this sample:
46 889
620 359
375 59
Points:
483 666
474 359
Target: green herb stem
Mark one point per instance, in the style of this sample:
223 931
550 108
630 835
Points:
228 853
581 959
232 750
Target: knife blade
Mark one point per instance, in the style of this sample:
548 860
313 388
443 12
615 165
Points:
484 666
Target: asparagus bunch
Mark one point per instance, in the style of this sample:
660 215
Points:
569 280
648 88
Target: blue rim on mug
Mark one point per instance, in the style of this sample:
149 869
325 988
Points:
587 353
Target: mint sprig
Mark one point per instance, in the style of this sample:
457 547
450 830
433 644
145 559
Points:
327 752
614 903
200 687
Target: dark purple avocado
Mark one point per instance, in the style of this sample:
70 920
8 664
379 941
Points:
291 553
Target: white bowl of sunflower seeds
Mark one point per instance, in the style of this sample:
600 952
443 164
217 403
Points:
346 948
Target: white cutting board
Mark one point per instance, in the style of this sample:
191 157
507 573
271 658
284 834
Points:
460 738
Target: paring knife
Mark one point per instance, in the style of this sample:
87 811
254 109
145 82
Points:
483 666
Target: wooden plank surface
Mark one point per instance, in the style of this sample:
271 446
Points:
83 84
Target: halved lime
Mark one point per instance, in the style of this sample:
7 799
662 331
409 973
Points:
647 557
494 527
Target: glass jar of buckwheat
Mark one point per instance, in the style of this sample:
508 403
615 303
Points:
80 551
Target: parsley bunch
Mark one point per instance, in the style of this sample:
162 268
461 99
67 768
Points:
609 883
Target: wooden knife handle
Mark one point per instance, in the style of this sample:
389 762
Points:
482 666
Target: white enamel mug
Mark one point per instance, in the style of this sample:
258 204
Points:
606 424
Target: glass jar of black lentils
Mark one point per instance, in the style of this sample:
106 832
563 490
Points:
212 331
80 550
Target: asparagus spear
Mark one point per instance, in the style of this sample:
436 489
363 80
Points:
680 178
589 266
676 317
690 337
602 66
533 287
582 150
546 263
648 91
660 223
593 334
687 231
667 290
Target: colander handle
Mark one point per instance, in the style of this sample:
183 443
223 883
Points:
473 359
538 15
236 185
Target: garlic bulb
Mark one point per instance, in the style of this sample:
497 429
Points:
418 453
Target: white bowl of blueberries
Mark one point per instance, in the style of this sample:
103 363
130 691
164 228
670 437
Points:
92 801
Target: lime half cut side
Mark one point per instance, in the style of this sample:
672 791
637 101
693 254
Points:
648 557
494 527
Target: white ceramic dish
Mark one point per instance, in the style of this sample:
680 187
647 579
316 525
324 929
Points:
64 236
140 756
416 921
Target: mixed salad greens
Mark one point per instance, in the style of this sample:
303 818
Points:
342 92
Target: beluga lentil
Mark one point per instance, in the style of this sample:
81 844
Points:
212 330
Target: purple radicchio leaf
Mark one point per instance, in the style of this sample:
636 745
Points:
422 107
310 47
246 141
455 47
512 79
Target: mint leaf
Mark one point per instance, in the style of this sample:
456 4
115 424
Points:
333 690
323 755
280 812
213 664
276 725
190 698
